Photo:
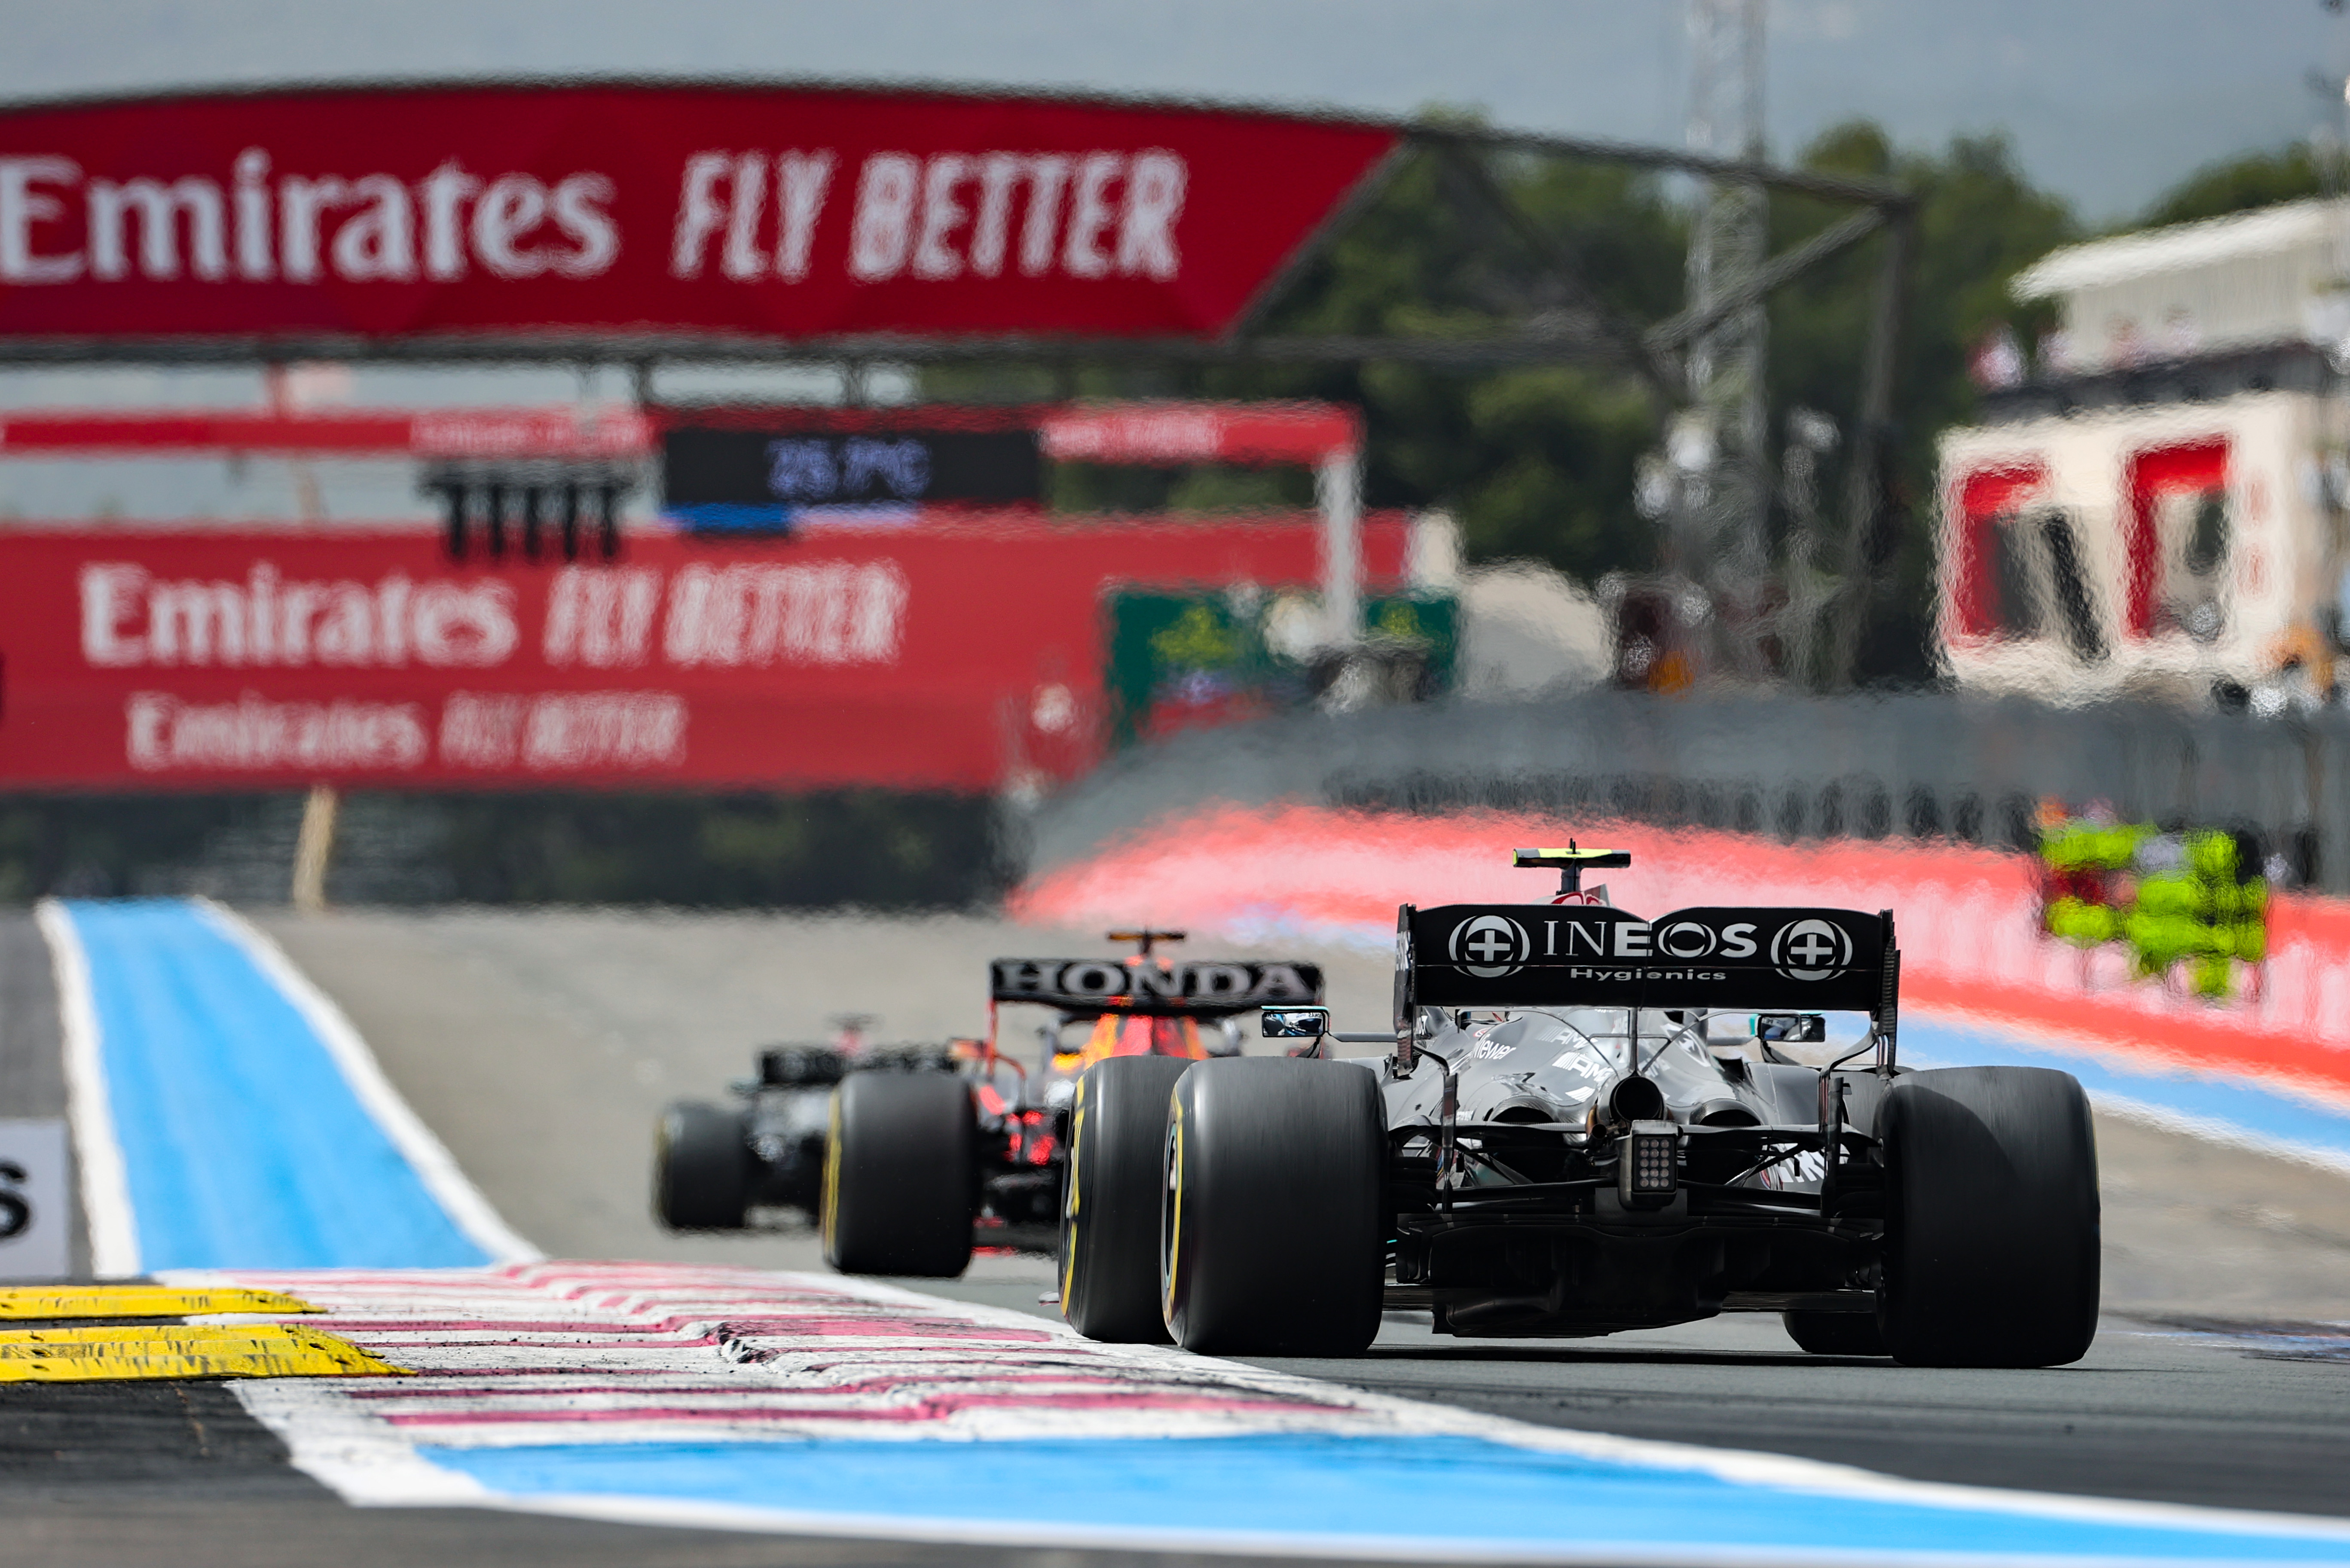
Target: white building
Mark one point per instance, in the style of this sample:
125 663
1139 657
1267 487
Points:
2158 508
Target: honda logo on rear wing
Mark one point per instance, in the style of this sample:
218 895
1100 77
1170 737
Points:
1097 985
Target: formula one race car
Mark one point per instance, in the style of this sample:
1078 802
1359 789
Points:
921 1166
1573 1135
714 1165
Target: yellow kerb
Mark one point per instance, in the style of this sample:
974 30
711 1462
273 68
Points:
48 1302
117 1354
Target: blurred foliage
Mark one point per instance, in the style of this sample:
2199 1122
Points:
1538 462
1979 222
879 848
2289 174
1535 462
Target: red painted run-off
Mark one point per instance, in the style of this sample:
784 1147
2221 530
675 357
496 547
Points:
1967 917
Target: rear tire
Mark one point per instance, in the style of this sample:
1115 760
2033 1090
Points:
1992 1219
1109 1205
1274 1229
702 1168
899 1172
1835 1333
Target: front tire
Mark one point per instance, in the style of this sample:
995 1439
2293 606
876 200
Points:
702 1168
1991 1223
1110 1202
1275 1230
899 1172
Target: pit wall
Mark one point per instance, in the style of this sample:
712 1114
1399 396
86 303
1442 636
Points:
1968 921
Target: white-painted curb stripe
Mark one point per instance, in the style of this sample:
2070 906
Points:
353 1450
105 1179
427 1154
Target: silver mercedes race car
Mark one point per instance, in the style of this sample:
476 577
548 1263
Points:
1587 1122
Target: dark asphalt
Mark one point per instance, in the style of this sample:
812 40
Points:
2225 1413
2149 1414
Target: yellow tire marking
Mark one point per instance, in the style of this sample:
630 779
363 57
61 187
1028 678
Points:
140 1300
831 1197
113 1355
1175 1200
1070 1207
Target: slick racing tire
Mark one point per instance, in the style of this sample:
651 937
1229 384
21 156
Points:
1835 1333
1109 1202
1992 1219
899 1173
1274 1232
702 1168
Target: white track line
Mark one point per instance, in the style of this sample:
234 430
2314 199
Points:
105 1179
426 1154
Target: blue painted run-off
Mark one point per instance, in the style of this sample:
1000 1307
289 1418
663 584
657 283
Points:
1464 1490
2227 1103
244 1146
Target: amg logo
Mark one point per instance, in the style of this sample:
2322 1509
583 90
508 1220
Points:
1080 981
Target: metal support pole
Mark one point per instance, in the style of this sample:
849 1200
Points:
1726 542
313 848
1338 493
1865 478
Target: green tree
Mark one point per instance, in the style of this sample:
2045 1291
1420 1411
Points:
1980 221
1535 463
1538 462
2238 184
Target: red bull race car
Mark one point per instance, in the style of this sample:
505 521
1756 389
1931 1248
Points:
970 1145
1584 1121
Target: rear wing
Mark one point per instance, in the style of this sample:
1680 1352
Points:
1588 955
1145 986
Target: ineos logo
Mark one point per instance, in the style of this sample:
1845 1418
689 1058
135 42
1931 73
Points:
1684 940
1489 946
1811 949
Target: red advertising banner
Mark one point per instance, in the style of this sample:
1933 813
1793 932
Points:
951 655
647 211
615 432
1292 432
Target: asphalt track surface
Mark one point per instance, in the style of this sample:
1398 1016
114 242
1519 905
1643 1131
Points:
540 1046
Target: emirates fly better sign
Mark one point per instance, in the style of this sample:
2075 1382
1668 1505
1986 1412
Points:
650 212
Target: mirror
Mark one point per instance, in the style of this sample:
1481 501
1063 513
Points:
1294 1023
1800 1028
